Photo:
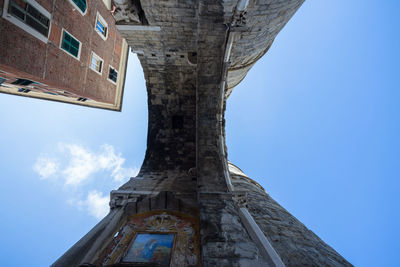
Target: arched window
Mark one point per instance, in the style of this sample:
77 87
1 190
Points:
81 5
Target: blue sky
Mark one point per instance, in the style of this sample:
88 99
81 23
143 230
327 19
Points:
316 122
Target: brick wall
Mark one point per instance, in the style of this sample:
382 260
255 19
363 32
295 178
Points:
48 61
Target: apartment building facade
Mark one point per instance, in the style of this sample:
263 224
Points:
62 50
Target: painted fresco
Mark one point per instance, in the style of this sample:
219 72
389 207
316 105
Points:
152 248
156 238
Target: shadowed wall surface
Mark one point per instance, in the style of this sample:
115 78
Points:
193 53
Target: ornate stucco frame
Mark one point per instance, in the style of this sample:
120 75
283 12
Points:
128 231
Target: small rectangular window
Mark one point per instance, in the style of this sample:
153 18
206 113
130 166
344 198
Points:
96 63
112 74
23 90
70 44
81 4
22 82
101 26
30 16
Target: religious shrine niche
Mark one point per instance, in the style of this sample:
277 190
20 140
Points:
156 238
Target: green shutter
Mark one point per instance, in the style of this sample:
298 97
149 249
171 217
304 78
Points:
70 44
81 4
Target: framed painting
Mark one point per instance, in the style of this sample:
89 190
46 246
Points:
151 248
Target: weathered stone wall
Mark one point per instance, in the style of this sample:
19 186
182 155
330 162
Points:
295 244
94 248
212 33
181 49
223 238
264 19
185 51
171 86
183 66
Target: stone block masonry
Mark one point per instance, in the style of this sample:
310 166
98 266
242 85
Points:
295 244
193 53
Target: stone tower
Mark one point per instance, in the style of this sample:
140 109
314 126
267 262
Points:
189 206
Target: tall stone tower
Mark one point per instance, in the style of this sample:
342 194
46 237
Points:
189 206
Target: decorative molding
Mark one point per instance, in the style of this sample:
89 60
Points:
186 250
162 222
119 198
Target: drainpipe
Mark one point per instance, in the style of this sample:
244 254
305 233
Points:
247 219
228 50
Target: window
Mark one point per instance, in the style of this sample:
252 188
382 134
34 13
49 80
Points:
50 93
101 26
96 63
30 15
23 90
22 82
112 74
70 44
81 5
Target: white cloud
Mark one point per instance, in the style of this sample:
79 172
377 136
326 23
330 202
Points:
110 161
45 166
120 174
78 168
83 163
96 204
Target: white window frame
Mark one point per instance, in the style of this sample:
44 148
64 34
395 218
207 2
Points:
24 26
98 58
105 24
108 74
80 45
107 3
77 8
